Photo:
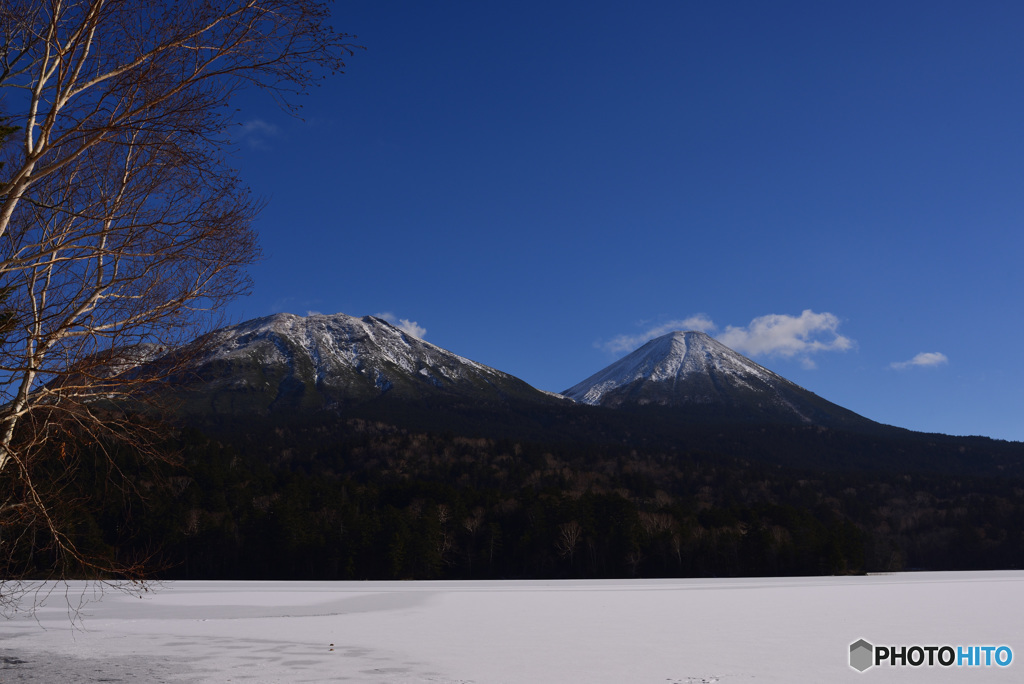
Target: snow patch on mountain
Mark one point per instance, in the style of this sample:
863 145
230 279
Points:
670 358
333 342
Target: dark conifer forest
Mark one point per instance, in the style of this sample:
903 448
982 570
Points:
358 497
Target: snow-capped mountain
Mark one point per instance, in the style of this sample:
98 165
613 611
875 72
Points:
693 370
292 362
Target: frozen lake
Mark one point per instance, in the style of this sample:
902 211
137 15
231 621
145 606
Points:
674 631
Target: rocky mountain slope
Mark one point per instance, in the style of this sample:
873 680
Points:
690 370
285 362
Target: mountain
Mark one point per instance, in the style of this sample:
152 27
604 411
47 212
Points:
691 372
292 364
332 447
283 363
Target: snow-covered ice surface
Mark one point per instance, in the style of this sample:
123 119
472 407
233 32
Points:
676 631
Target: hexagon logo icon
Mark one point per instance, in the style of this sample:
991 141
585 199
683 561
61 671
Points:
861 655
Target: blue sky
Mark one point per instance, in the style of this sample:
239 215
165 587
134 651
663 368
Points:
835 190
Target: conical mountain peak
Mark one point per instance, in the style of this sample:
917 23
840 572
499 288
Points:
669 358
694 371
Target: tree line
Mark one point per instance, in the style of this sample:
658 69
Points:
380 502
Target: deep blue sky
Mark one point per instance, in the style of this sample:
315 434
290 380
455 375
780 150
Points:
542 185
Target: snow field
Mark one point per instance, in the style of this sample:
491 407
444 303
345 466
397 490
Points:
669 631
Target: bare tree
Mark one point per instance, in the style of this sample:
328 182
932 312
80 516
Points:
568 539
122 229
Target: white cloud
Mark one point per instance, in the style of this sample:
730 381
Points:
627 343
256 132
404 324
789 336
922 359
771 335
699 322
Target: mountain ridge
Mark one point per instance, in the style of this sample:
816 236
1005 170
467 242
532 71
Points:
679 393
289 362
284 363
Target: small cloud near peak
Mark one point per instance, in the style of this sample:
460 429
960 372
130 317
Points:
770 335
627 343
789 336
923 359
404 324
